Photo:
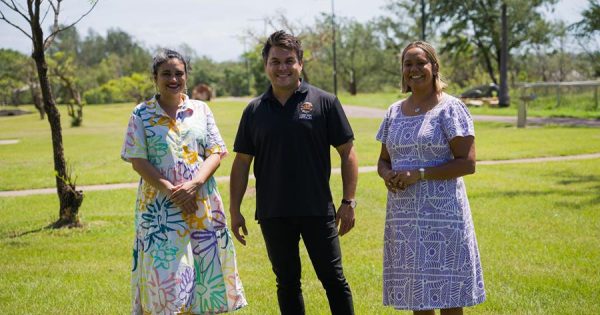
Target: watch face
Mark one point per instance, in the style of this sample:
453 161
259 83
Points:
351 203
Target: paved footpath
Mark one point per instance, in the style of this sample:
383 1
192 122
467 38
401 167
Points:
362 169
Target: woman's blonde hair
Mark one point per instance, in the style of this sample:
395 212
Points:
438 81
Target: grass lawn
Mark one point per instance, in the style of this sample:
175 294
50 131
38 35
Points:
573 104
537 225
93 149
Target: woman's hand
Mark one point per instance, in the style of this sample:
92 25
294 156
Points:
391 179
184 196
407 178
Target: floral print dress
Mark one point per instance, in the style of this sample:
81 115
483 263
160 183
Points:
182 263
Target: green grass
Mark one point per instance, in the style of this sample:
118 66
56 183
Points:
495 141
93 149
537 226
573 104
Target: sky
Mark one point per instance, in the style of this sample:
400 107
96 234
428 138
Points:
213 28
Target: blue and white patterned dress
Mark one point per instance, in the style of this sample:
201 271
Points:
431 259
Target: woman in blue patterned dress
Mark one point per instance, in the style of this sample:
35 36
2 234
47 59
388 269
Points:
183 256
431 259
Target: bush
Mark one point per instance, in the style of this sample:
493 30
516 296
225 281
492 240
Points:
133 88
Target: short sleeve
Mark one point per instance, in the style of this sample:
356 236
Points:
382 133
243 139
134 145
214 143
338 127
456 120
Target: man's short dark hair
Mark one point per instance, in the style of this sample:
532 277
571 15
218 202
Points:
283 40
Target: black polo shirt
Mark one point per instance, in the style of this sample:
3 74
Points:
291 146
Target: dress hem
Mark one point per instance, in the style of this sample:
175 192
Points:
419 308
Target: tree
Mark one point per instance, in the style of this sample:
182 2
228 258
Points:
62 67
360 56
587 32
66 41
590 23
235 79
70 198
402 24
133 88
477 23
503 97
12 75
204 70
34 88
260 81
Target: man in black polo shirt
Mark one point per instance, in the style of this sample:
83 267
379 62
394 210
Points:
288 132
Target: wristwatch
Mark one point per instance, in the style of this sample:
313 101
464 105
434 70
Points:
351 203
422 173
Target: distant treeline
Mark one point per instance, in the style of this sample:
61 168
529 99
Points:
115 67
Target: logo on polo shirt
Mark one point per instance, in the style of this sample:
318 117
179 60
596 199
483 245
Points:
306 111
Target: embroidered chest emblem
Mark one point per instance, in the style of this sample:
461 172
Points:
306 111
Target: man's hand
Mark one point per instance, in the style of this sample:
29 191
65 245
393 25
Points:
238 221
344 219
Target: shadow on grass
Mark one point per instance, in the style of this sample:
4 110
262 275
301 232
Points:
587 186
592 183
19 234
51 226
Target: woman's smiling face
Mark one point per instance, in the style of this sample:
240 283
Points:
417 69
171 77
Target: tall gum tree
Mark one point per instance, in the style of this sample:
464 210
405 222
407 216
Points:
478 23
28 17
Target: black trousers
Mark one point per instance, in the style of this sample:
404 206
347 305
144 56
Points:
282 237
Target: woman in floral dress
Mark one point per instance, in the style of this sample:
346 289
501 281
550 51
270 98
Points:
431 258
183 257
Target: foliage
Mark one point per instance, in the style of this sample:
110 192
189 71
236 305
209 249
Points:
204 70
259 82
63 73
132 57
364 62
474 23
235 79
590 24
70 198
134 88
102 58
465 32
13 77
587 32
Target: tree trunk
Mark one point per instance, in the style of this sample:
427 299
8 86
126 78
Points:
488 61
70 198
352 85
36 97
504 98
